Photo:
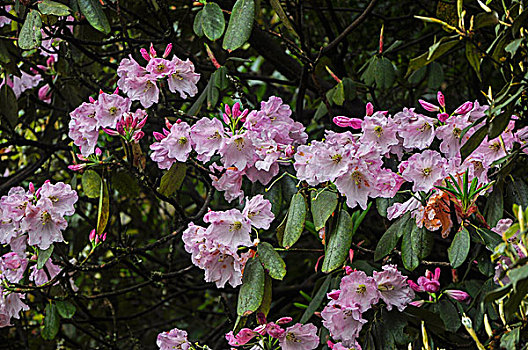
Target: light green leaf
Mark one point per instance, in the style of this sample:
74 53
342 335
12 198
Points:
91 183
30 34
48 7
252 289
172 180
93 11
43 257
273 263
213 23
197 24
322 206
338 243
104 208
240 25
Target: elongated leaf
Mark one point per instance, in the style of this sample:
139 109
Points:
93 11
459 249
172 180
472 55
495 205
9 103
252 289
339 243
316 300
410 249
295 222
91 183
390 238
323 205
48 7
499 123
104 208
197 24
65 309
30 35
213 23
449 314
282 15
384 73
265 305
427 58
51 322
273 263
474 141
240 25
43 257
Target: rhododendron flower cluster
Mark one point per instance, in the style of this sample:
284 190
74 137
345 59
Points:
175 339
430 284
356 294
249 143
141 83
214 248
296 337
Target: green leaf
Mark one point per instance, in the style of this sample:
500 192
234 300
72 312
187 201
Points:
415 244
43 256
265 305
323 205
91 183
369 74
220 78
440 48
198 23
172 180
213 94
9 103
339 94
499 123
240 25
273 263
390 238
435 77
339 243
512 47
103 211
252 289
474 141
518 191
495 205
30 34
422 241
93 11
459 249
65 309
449 314
213 23
282 15
316 300
472 55
485 19
510 340
125 184
295 222
51 322
384 73
48 7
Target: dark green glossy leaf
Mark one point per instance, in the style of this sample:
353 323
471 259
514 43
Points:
411 246
390 238
339 243
91 183
252 289
474 141
9 103
495 205
427 58
172 180
273 263
472 55
459 249
265 305
48 7
316 300
499 123
197 25
51 322
323 205
103 211
213 23
240 25
93 11
30 34
65 309
485 19
43 256
295 222
449 314
384 73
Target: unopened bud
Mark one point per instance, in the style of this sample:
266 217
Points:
167 51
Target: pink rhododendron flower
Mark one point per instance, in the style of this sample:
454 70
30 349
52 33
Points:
238 151
207 137
61 196
229 228
425 170
416 130
43 224
160 68
10 306
429 283
358 289
230 183
393 287
258 211
379 130
183 79
110 108
343 322
243 337
175 339
83 128
299 337
12 267
40 277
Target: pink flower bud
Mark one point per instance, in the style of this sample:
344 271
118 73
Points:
158 136
260 329
443 117
369 109
330 344
138 135
31 187
346 122
227 109
81 157
441 99
92 235
50 61
226 118
437 273
348 270
141 124
166 132
417 303
429 106
44 93
236 110
334 294
261 318
97 240
414 286
144 54
167 51
284 320
244 115
103 238
98 151
76 167
110 132
457 295
152 51
169 125
289 151
91 99
466 107
116 91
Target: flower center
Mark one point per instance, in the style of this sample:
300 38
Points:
160 67
361 288
235 226
457 132
182 140
45 217
239 143
424 127
112 110
337 158
378 130
427 171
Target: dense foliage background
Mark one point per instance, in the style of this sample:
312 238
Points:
324 58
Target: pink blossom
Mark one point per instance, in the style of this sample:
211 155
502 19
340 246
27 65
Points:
428 283
299 337
5 20
178 142
380 130
394 290
10 306
450 135
357 184
229 228
207 137
20 84
39 276
243 337
183 79
238 151
358 289
457 295
175 339
340 346
61 195
443 117
143 89
160 67
425 170
12 267
258 211
43 224
230 183
83 128
416 130
343 322
110 108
